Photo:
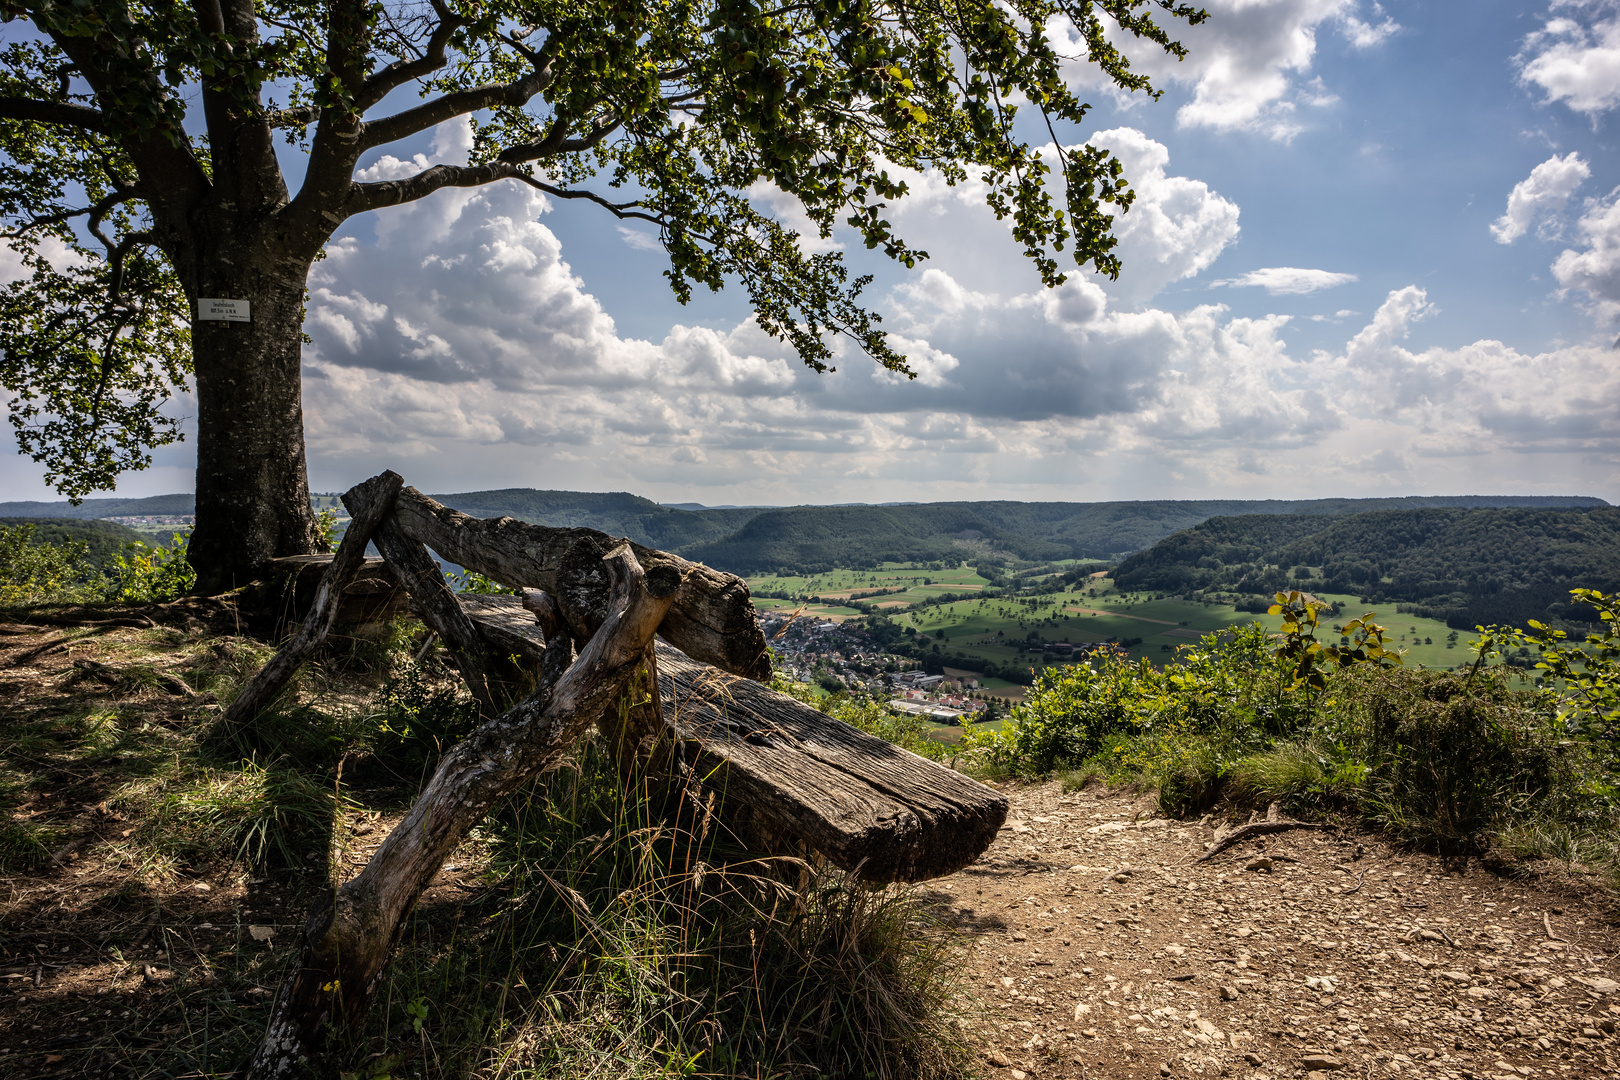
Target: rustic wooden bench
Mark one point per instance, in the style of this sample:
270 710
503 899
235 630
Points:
870 807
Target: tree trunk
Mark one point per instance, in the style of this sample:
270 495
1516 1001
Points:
252 486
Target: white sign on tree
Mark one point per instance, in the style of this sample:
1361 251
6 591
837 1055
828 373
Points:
222 310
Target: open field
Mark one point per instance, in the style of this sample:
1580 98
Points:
990 627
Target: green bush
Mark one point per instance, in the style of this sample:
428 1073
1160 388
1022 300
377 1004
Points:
34 573
142 574
1451 760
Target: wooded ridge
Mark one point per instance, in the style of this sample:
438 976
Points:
815 538
1465 566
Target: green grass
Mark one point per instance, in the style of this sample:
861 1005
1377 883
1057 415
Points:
587 931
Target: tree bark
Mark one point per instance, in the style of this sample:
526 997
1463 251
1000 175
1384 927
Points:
350 933
252 484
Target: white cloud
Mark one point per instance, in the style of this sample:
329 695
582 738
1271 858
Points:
1362 34
1177 225
460 349
1248 64
1595 269
1288 280
1575 63
640 239
1540 195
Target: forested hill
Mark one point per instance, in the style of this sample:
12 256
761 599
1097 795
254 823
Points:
103 539
1466 566
813 538
151 506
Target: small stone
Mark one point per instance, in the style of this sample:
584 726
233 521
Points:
1090 1033
1019 935
1229 993
1591 1033
1254 1059
997 1057
1188 977
1321 1063
1164 1069
1479 993
1018 1074
202 886
1456 977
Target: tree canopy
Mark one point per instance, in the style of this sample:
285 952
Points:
120 121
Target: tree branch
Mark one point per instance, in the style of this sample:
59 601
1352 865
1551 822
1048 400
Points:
65 113
363 197
97 211
400 72
556 141
389 129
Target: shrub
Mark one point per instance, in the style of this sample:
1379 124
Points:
33 573
142 575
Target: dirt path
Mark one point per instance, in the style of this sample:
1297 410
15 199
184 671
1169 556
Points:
1103 953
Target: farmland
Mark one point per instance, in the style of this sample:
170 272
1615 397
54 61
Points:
998 627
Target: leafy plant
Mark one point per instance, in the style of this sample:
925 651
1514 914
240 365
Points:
471 581
1588 671
31 573
1306 657
141 574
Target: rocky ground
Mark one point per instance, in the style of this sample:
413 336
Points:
1103 949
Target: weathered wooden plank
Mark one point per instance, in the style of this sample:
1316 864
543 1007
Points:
864 803
712 619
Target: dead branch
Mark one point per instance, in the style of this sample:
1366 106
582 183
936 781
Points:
350 933
368 503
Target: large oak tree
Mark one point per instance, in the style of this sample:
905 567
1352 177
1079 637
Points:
138 150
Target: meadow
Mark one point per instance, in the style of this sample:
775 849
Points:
1094 610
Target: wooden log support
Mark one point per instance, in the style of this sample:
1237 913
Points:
374 595
350 933
712 619
368 504
870 807
437 606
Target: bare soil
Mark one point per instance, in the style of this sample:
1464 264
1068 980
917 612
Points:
1102 950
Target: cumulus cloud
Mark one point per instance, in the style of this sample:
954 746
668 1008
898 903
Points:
1176 227
459 347
1575 58
1287 280
1540 195
1249 64
1594 269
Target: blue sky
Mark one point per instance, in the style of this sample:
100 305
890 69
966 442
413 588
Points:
1376 250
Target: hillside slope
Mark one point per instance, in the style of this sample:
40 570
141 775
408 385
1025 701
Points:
105 538
816 538
1465 566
